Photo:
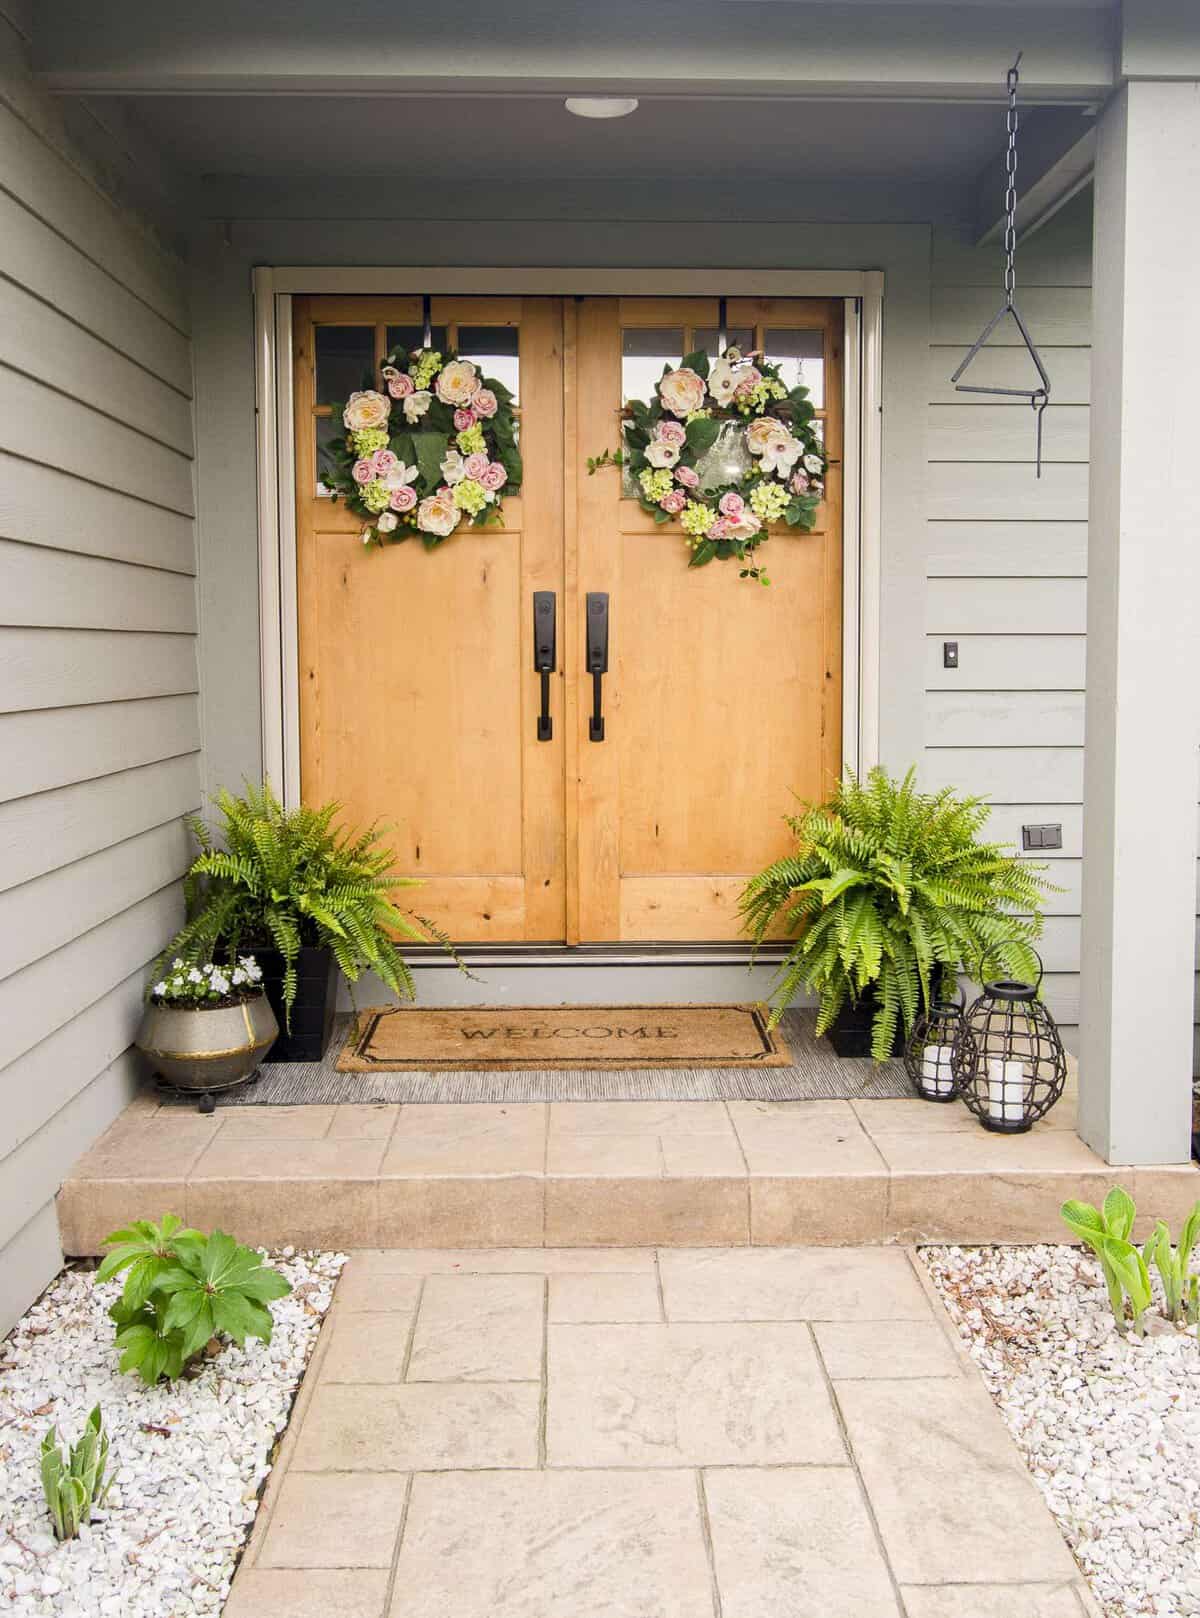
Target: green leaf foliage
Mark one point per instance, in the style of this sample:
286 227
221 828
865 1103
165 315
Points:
75 1484
892 890
286 879
203 1287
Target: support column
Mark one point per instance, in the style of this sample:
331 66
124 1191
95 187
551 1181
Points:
1143 657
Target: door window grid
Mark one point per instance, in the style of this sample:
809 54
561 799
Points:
498 357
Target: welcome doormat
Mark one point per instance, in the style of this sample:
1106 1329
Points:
517 1038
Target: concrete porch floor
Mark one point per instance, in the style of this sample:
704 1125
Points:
671 1434
586 1174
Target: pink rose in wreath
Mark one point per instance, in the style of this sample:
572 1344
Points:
463 419
688 476
363 471
493 477
671 432
403 498
674 500
476 465
485 403
799 482
731 505
384 462
399 384
721 529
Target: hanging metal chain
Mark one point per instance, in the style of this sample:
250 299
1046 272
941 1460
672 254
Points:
1012 122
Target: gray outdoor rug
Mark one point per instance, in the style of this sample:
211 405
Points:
816 1074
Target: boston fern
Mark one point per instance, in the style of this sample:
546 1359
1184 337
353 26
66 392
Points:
890 890
285 879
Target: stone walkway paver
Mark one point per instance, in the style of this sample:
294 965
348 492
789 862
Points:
632 1433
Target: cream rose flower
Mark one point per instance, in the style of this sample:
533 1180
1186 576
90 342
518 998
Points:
437 514
681 391
744 526
416 404
457 383
386 521
813 463
760 433
454 468
400 476
659 453
366 411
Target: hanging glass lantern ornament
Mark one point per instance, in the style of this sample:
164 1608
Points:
1008 1060
928 1055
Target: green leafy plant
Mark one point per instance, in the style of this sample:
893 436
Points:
183 1289
890 890
76 1484
284 879
1127 1270
1097 1226
1173 1264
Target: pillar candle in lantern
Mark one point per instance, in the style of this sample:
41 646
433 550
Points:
935 1070
1008 1090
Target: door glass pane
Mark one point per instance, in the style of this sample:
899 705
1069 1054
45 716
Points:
410 337
800 356
644 352
329 429
345 361
495 349
705 337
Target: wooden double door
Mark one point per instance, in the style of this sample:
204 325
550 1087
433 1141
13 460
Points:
419 698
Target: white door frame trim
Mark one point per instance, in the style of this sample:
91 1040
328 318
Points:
862 460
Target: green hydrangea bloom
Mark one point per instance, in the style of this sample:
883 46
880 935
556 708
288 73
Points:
769 501
696 518
471 440
368 441
375 496
470 496
655 483
424 369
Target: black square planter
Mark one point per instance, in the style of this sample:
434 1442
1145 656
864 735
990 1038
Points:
312 1010
850 1031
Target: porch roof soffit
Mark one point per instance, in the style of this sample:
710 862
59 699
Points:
851 48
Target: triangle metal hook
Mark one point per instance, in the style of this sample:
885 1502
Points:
1038 397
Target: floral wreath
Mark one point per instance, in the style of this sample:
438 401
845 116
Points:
444 464
664 440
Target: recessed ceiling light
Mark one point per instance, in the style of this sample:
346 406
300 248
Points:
601 106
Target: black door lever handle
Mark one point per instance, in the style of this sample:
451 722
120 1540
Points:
597 658
545 655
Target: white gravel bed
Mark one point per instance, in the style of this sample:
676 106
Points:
1109 1425
189 1457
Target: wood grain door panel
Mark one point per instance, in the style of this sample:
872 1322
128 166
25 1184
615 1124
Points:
418 696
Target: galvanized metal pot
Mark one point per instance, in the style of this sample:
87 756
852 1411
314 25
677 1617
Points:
207 1047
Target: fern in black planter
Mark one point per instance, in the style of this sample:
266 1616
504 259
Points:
889 891
290 882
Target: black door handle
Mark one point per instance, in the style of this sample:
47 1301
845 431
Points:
597 658
545 655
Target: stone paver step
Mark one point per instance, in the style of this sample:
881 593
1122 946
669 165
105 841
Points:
581 1174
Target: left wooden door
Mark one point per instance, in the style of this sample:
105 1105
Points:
418 694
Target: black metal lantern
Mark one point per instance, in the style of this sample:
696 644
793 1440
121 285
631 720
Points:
1008 1061
929 1053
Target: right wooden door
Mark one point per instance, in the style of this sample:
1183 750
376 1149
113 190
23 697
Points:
723 699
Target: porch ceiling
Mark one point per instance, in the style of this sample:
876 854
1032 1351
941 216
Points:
440 138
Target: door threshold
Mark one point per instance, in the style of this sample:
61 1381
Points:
565 955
